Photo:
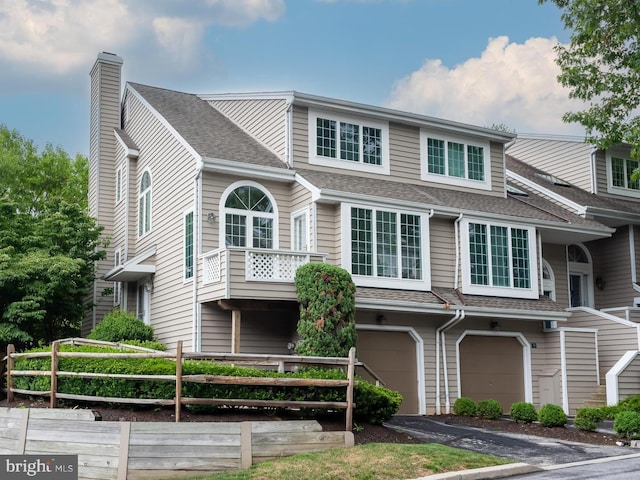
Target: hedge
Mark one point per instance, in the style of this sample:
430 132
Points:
374 404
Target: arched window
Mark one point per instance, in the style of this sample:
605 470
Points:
580 276
250 217
144 205
548 281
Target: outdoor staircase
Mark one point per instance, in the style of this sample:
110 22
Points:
598 398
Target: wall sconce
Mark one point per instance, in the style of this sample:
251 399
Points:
211 218
495 325
380 318
600 283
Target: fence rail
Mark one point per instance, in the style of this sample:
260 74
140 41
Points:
179 356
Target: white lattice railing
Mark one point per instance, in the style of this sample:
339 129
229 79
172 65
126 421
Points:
272 266
212 263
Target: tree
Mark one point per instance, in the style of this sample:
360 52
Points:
48 242
326 295
601 66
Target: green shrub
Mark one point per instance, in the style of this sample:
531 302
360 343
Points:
464 406
489 408
326 294
627 424
609 412
630 403
120 326
523 412
587 418
373 404
552 416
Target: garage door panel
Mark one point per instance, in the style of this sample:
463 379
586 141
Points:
392 356
492 367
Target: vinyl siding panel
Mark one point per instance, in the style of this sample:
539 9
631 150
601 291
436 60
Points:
568 160
550 374
216 329
611 262
172 170
614 338
582 368
265 120
628 384
300 136
443 252
404 152
329 232
601 174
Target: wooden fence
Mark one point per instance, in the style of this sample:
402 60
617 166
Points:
156 450
281 361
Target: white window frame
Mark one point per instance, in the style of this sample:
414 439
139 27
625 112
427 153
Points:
611 188
117 286
118 185
142 311
148 205
300 240
249 215
423 284
446 178
549 284
359 166
186 278
499 291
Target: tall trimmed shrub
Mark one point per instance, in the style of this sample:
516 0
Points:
120 325
326 295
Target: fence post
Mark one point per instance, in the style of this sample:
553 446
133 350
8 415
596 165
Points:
178 398
55 346
11 349
350 377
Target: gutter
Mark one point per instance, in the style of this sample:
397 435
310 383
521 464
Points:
458 317
594 183
196 329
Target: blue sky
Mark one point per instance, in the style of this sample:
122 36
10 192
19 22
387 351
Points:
482 62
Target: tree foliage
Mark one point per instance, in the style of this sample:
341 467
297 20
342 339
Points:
327 310
601 66
48 242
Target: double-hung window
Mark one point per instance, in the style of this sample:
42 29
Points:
385 247
144 205
300 230
348 142
499 259
455 161
620 170
188 245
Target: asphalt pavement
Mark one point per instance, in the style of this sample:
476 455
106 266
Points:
531 453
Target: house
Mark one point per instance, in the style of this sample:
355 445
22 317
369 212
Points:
604 293
211 202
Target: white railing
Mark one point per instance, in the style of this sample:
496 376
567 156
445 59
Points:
273 265
212 267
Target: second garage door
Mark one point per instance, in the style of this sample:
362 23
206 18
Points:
492 367
392 356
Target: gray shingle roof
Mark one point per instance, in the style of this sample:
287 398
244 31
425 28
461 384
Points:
208 131
535 208
573 193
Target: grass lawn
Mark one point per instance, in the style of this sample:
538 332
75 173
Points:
374 461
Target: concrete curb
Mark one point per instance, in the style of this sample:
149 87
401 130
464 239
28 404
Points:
499 471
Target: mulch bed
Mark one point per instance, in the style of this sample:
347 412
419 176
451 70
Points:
363 432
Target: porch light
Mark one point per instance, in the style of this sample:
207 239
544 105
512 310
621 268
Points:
211 218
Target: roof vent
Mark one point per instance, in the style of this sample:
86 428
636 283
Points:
552 179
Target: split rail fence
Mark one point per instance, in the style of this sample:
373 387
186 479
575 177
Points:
281 361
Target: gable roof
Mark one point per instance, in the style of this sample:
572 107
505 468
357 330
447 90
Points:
608 210
207 131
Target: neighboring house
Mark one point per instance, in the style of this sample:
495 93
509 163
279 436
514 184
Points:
601 275
211 202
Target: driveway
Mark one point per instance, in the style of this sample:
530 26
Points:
529 449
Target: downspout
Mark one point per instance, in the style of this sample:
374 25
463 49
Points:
632 254
456 235
196 330
447 398
451 322
288 133
594 182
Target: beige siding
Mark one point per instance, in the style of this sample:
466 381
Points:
601 173
582 376
328 231
568 160
443 252
216 329
628 384
550 370
614 338
404 152
264 119
300 137
497 169
556 256
172 171
611 262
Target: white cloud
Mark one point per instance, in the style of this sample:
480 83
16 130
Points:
513 84
55 39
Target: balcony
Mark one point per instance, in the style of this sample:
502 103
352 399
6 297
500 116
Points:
255 273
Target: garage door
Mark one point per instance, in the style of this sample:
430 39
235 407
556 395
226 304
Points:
392 355
492 367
